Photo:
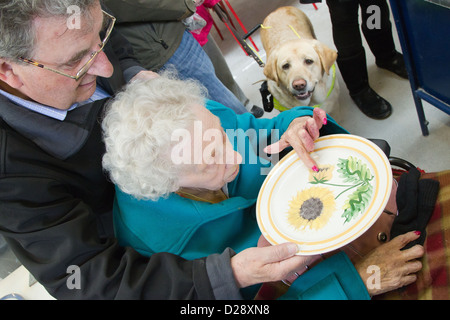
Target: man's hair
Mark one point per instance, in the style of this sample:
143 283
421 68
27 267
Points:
138 127
17 36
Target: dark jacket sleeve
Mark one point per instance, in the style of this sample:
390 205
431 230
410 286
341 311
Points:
56 216
51 233
153 27
120 53
55 213
150 10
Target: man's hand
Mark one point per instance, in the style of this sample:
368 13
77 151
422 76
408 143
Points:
267 264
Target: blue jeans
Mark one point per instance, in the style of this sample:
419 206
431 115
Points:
192 62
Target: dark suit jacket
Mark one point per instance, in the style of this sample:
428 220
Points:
56 202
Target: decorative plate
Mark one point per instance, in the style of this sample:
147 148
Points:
323 211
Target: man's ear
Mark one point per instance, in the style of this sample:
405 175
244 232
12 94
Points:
8 75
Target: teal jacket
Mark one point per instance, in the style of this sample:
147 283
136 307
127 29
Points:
194 229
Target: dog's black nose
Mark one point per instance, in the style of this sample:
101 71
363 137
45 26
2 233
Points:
299 84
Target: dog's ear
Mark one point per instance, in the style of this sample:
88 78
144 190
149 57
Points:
327 56
270 69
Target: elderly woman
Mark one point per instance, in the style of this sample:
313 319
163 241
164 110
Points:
188 172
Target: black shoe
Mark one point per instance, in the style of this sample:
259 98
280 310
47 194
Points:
395 65
257 111
371 104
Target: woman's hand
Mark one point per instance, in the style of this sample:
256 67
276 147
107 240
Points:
301 134
267 264
396 267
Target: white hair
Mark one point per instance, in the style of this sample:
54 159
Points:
137 129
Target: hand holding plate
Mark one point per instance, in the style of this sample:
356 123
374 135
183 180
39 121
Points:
267 264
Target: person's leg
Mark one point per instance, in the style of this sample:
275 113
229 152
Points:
192 62
347 39
224 74
377 29
352 58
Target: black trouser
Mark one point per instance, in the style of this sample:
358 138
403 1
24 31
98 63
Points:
377 31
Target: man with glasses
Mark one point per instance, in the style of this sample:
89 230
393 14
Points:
160 40
55 200
80 58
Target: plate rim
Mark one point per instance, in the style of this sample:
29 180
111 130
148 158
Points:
357 233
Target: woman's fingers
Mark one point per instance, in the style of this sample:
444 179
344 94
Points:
402 240
298 145
300 135
320 116
397 266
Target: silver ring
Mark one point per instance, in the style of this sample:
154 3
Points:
286 282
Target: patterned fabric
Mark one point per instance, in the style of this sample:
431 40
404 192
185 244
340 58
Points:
433 280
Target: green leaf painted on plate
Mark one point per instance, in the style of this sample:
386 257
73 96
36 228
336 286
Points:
355 176
357 202
355 171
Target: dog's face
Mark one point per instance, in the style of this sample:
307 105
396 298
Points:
298 65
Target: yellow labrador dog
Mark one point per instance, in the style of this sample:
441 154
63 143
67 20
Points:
299 69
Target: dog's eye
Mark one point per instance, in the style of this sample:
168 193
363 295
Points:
309 61
285 66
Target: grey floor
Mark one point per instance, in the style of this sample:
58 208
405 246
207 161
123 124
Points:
401 130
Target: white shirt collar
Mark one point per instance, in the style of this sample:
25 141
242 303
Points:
50 111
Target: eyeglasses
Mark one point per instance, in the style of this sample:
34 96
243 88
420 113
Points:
108 24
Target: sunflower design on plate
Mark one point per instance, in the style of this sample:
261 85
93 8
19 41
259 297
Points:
324 173
311 208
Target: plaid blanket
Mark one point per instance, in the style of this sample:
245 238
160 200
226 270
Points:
433 282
